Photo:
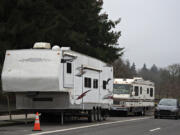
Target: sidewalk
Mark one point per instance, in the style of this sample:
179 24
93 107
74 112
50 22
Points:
16 119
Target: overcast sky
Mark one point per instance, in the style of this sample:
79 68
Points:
150 30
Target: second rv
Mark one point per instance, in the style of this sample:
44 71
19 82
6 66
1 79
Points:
133 96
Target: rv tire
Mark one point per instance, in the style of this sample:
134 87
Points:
104 114
99 118
143 112
95 114
91 116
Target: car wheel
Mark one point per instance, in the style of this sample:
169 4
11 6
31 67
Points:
176 117
155 117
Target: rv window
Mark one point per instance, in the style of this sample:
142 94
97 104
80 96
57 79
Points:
136 90
151 92
147 90
116 102
104 84
69 68
140 90
87 82
95 83
122 88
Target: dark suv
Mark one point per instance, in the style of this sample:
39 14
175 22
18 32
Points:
167 108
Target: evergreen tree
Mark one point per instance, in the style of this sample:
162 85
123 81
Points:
75 23
144 72
133 69
144 68
122 69
154 68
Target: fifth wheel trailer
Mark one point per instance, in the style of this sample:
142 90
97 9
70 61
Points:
58 80
132 96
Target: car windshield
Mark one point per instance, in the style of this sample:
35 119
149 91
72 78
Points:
122 88
168 102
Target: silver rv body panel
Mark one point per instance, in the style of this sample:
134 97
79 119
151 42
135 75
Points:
53 80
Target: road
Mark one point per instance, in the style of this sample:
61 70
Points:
112 126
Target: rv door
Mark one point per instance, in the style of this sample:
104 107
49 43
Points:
68 75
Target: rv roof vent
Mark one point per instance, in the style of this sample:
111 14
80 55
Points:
65 48
56 48
42 45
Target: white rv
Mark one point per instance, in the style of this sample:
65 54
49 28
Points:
58 80
133 96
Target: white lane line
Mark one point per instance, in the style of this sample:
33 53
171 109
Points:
152 130
88 126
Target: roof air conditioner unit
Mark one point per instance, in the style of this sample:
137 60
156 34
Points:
42 45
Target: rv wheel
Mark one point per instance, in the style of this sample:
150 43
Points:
104 114
104 117
143 112
95 114
99 118
90 116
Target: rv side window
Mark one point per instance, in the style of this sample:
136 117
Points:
147 90
87 82
95 83
151 92
104 84
69 68
140 90
136 90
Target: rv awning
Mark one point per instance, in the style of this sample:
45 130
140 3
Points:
92 68
69 54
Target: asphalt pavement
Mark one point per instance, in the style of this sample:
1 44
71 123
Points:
112 126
